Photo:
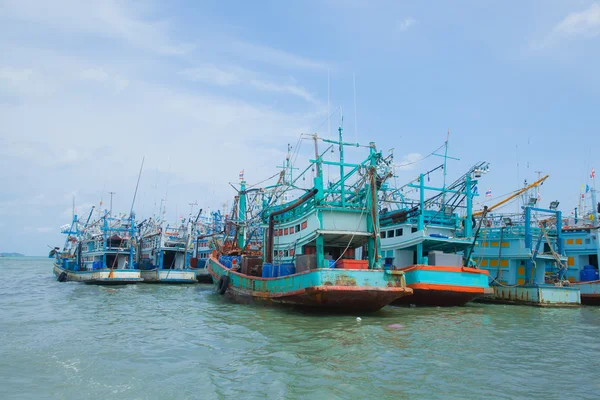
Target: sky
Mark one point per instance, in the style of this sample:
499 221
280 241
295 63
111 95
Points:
203 89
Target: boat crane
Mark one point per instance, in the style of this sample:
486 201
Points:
526 188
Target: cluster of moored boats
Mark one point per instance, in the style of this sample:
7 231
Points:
357 243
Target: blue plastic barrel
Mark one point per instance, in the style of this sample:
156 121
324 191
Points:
276 271
286 269
587 275
331 263
267 270
225 261
589 267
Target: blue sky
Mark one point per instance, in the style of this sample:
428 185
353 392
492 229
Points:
204 89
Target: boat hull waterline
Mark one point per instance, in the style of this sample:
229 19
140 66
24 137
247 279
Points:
101 276
339 290
589 291
441 286
171 276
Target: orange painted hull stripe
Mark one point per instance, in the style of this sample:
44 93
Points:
444 269
446 288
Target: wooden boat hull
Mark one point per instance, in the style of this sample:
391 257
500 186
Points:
172 276
101 276
444 286
337 290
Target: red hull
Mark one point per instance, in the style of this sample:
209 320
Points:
590 299
334 298
437 298
442 295
325 298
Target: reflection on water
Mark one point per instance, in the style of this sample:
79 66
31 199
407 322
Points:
68 340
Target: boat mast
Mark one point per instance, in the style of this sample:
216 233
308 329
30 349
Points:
241 239
446 157
373 241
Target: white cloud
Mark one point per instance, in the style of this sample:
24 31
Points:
233 75
409 161
15 75
24 81
582 23
289 88
406 24
99 75
276 57
107 18
79 121
214 75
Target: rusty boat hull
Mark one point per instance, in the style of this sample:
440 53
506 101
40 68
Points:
335 290
441 286
589 292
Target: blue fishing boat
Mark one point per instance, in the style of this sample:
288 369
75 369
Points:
309 257
427 240
208 233
165 253
519 248
101 252
582 248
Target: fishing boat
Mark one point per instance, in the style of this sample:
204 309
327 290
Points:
519 248
165 253
309 257
582 248
202 250
427 240
101 252
208 237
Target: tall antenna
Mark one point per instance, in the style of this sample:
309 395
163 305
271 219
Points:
537 189
328 105
518 174
195 203
355 124
137 185
167 188
111 197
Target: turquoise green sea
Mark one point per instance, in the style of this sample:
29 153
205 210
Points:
73 341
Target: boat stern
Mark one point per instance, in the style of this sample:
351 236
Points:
444 285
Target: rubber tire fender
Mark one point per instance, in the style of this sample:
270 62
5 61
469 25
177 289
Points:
223 284
62 277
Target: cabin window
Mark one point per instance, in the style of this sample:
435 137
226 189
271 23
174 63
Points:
390 234
382 233
281 232
546 248
310 250
286 231
399 232
291 230
276 232
292 253
413 229
298 228
304 224
587 241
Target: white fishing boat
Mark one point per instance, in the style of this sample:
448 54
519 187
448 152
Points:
165 253
102 252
